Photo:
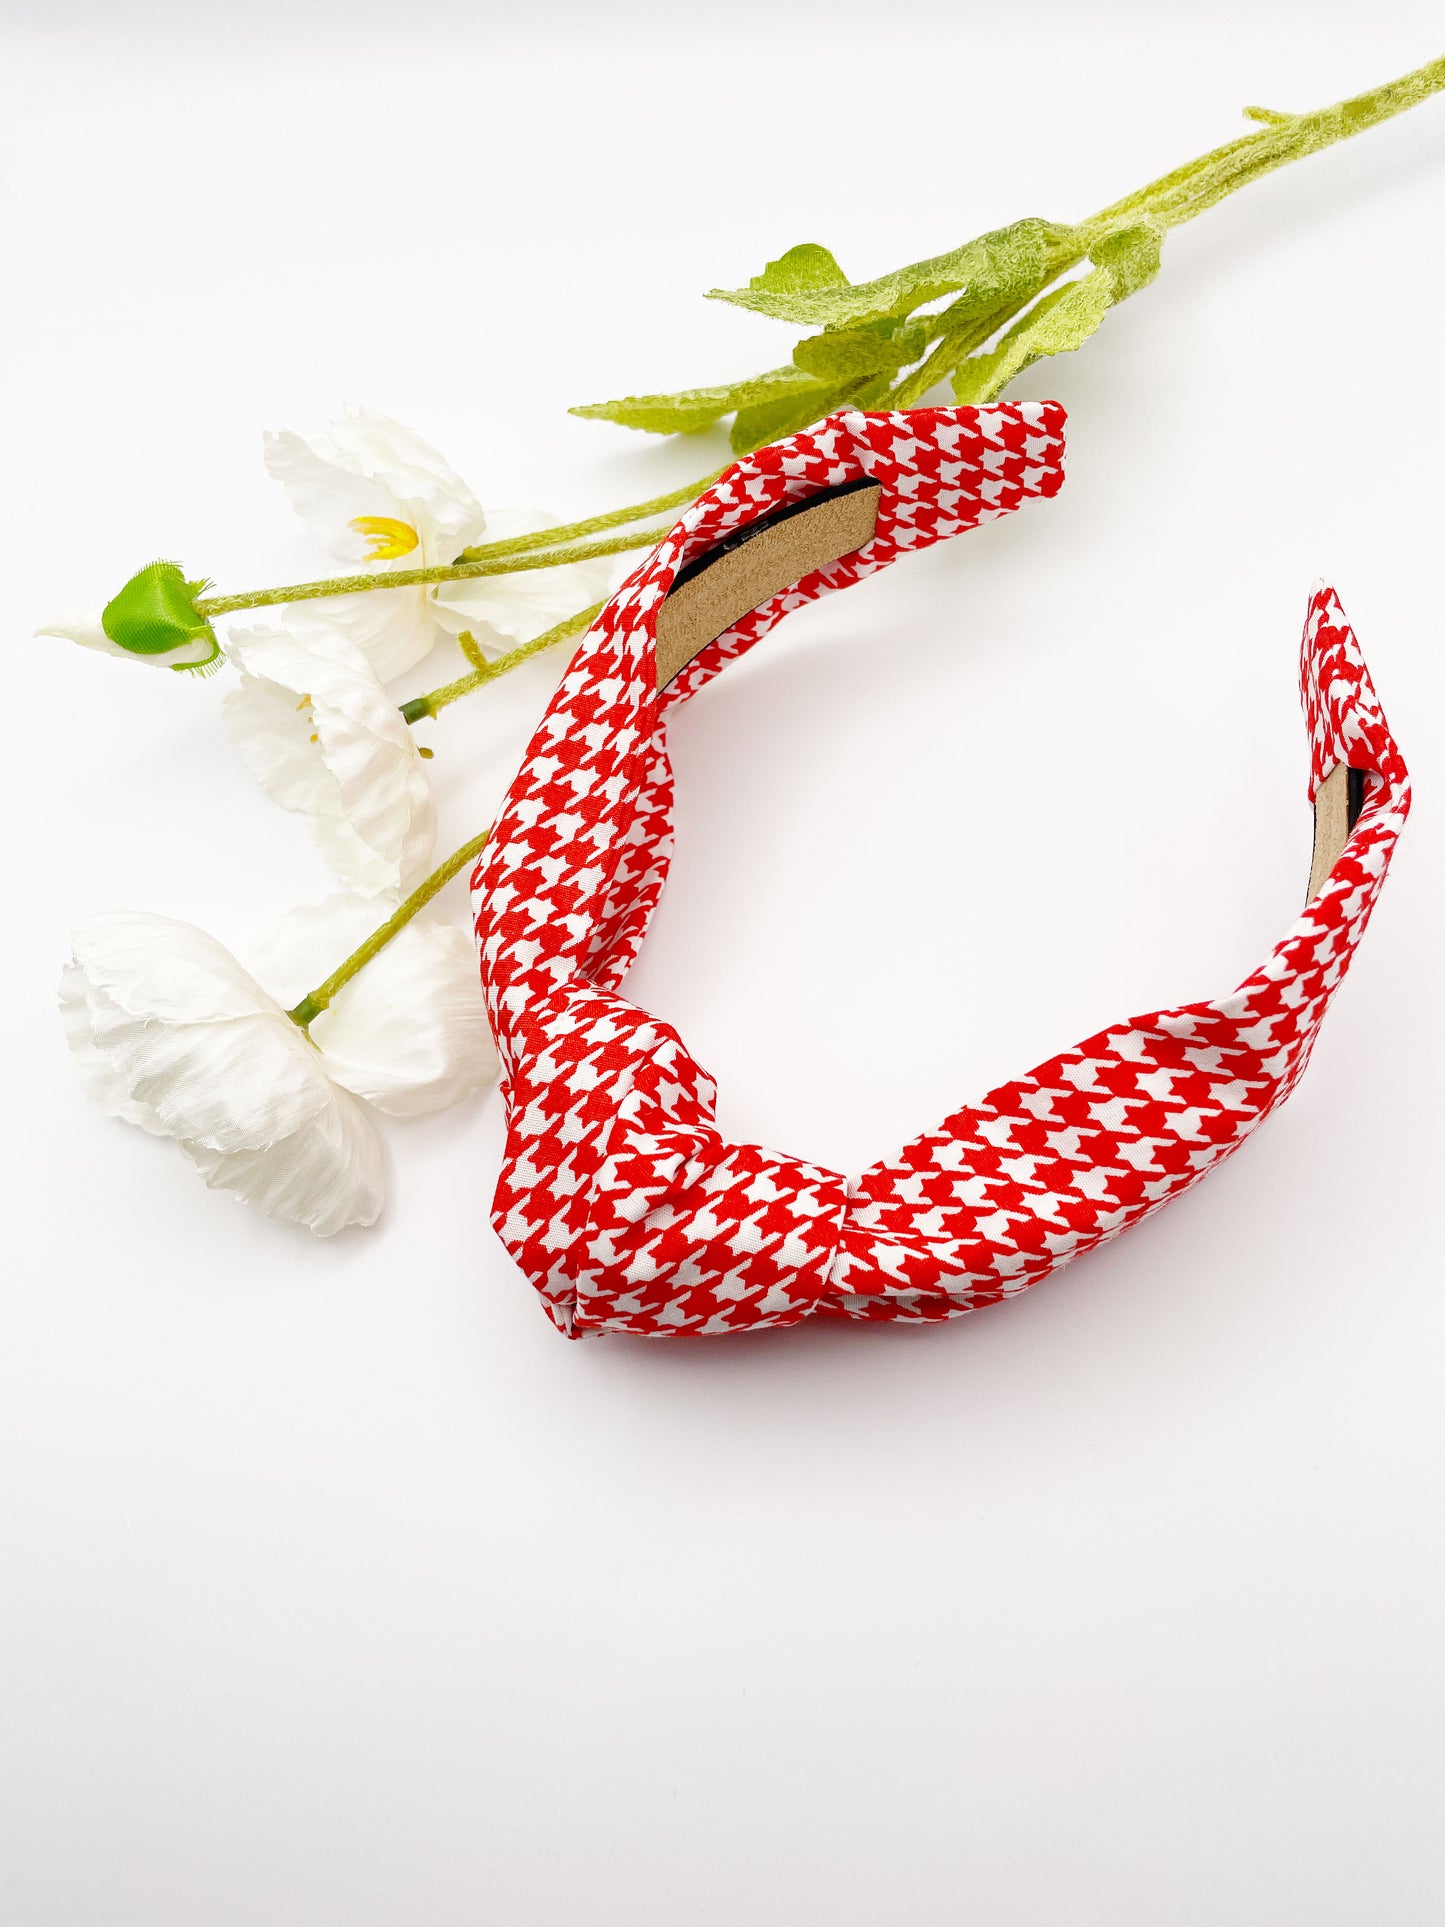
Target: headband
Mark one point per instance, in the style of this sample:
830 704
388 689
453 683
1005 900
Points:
617 1196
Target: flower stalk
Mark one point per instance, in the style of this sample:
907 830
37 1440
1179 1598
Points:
484 671
1191 190
1200 184
1176 197
315 1001
593 525
509 564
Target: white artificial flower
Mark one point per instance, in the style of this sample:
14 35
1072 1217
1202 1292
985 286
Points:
172 1034
320 735
377 494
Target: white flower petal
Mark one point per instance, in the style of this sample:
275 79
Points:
235 1085
409 1032
104 1086
503 610
164 971
364 463
273 732
327 1175
88 632
349 856
370 804
174 1025
327 496
298 950
394 629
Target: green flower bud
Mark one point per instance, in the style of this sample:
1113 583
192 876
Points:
155 615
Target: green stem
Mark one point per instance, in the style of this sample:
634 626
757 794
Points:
594 524
1200 184
1188 191
485 672
315 1001
223 605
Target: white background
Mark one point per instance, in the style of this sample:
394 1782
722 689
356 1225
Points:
338 1588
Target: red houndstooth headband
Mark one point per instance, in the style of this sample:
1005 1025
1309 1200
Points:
617 1196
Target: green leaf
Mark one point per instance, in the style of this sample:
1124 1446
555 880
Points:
1061 322
155 614
769 421
1131 255
1124 262
867 336
1022 260
850 356
910 338
984 267
802 269
694 408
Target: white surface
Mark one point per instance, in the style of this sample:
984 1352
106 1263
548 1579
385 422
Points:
338 1588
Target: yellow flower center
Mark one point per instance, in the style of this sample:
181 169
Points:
388 538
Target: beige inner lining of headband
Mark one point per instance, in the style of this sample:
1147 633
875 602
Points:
1335 812
751 566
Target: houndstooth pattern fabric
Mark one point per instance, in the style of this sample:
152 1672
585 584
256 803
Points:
619 1199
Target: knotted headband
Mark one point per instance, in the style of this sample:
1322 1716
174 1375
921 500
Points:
617 1196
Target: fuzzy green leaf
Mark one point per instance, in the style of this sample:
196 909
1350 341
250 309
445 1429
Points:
851 355
985 266
802 269
1022 260
695 408
1061 322
910 338
1131 255
1124 262
769 421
